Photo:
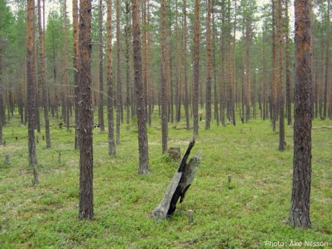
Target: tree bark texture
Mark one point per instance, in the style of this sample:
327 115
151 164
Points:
300 202
196 68
76 67
288 71
65 100
281 81
85 114
208 67
41 28
128 35
327 61
164 117
140 98
101 66
110 100
118 73
31 89
185 69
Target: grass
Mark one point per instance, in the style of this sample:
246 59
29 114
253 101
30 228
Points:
249 212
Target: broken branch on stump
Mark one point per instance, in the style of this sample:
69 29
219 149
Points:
180 183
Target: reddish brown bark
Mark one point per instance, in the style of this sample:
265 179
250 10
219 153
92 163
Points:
85 114
300 202
140 98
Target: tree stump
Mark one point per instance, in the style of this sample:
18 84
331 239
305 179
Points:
7 160
180 183
174 153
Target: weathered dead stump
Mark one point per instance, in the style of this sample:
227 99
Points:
174 153
7 160
180 183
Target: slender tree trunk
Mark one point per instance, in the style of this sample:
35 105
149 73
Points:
101 66
264 78
248 74
327 61
140 98
76 67
281 81
31 89
41 29
233 80
208 67
214 66
65 111
288 72
128 34
37 117
164 119
273 75
300 202
185 82
178 84
85 114
222 86
149 82
118 73
196 68
110 100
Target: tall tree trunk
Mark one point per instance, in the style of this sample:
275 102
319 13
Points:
233 80
281 81
178 84
185 82
85 114
76 67
118 73
164 119
300 202
65 111
140 98
101 65
208 66
41 29
248 74
264 78
128 34
273 114
149 82
214 66
196 68
288 72
222 86
327 62
35 68
110 100
31 100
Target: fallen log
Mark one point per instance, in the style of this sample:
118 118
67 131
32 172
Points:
180 183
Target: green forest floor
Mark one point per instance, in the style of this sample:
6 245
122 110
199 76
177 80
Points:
250 212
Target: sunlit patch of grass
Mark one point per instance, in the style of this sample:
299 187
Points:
244 213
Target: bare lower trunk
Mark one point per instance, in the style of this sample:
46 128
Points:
300 202
110 101
31 90
140 98
86 114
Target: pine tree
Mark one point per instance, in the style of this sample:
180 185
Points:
140 98
300 202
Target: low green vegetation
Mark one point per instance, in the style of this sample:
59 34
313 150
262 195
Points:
249 212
